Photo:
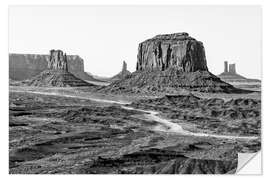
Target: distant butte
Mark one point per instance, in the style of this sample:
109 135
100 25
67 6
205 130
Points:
230 75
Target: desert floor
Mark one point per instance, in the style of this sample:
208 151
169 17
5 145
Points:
77 130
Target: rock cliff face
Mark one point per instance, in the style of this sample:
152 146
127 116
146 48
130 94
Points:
57 60
172 50
168 64
121 74
25 66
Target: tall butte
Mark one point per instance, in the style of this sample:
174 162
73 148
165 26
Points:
57 73
168 63
57 61
178 50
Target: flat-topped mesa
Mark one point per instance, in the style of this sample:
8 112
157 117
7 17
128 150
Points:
177 50
57 60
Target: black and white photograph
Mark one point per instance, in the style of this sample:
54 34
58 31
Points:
133 89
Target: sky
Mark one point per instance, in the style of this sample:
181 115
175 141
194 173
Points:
105 36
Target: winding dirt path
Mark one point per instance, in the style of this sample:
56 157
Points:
150 115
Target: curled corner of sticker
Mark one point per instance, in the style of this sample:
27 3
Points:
249 163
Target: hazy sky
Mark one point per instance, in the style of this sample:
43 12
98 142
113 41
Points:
104 36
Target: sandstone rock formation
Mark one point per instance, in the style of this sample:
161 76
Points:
170 63
121 74
232 76
57 73
172 50
57 60
25 66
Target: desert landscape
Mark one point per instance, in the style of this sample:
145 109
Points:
170 116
